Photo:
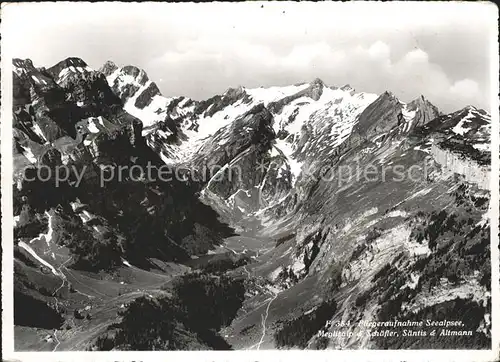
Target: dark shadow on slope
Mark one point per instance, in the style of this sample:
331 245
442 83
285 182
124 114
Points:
32 312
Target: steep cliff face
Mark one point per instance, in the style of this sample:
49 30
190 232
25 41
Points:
468 168
425 111
380 117
467 131
388 116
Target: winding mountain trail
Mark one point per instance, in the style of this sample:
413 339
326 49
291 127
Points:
57 340
63 277
246 271
264 320
264 317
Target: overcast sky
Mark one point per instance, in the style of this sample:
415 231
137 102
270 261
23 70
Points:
198 50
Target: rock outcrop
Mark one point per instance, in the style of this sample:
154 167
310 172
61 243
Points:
457 163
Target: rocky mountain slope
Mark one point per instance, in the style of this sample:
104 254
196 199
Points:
309 211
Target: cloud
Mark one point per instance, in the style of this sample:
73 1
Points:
305 55
465 88
404 48
379 50
221 63
417 56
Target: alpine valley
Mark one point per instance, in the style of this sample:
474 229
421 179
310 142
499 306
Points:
264 242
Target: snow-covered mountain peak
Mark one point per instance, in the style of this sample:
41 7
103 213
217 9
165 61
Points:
310 120
299 111
69 68
478 112
142 97
128 76
72 61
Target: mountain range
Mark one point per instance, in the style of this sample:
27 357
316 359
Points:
274 236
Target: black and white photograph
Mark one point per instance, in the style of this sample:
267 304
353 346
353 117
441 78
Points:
251 176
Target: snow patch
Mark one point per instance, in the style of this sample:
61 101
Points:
420 193
298 266
126 263
397 213
38 131
274 274
425 150
28 153
413 282
295 166
460 127
482 146
50 231
92 125
409 117
273 94
469 289
28 248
